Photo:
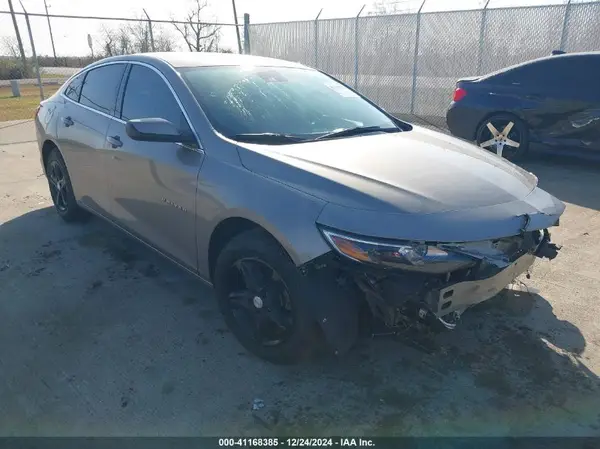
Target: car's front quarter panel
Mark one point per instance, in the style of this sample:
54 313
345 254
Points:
231 191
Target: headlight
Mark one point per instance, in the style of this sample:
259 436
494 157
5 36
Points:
413 256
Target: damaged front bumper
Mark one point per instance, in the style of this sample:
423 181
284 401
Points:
396 296
456 298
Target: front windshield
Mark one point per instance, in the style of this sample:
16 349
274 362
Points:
296 103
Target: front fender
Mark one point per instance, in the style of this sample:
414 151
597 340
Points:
290 217
287 214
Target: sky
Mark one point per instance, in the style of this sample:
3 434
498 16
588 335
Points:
70 36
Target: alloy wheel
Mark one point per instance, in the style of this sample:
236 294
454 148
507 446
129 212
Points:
58 185
502 137
259 302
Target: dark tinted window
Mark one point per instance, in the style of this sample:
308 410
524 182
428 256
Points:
147 95
539 73
101 86
73 90
564 73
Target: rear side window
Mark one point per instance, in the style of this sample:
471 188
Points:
148 96
559 74
539 73
556 73
73 90
101 86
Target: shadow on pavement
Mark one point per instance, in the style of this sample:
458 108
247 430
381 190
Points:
571 180
100 333
511 368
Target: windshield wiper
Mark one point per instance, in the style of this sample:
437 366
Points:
273 138
357 131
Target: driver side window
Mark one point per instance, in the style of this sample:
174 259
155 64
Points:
147 95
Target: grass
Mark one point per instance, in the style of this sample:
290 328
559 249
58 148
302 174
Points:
23 107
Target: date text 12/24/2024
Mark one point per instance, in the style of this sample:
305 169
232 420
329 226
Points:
296 442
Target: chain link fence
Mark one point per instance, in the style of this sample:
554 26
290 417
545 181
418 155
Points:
65 44
409 63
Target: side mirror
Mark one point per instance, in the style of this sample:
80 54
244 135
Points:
156 130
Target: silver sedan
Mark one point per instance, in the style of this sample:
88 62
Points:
304 204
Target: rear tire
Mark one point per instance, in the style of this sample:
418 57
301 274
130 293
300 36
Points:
498 134
269 315
61 189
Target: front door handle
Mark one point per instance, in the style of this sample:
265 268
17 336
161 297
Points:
68 121
115 141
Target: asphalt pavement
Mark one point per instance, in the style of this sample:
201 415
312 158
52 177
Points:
100 336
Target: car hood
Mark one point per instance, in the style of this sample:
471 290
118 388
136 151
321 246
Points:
418 171
403 175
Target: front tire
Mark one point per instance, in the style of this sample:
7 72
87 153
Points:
263 298
61 189
504 134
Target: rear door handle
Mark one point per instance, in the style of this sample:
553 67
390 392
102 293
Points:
115 141
68 121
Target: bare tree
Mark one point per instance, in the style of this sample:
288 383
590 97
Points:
10 46
164 41
198 35
134 38
139 36
381 7
107 41
124 43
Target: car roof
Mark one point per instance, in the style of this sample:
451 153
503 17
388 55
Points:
204 59
544 58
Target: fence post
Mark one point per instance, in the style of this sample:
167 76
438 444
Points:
237 28
18 34
415 60
481 37
35 59
15 87
317 38
50 29
563 36
356 48
150 30
246 33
